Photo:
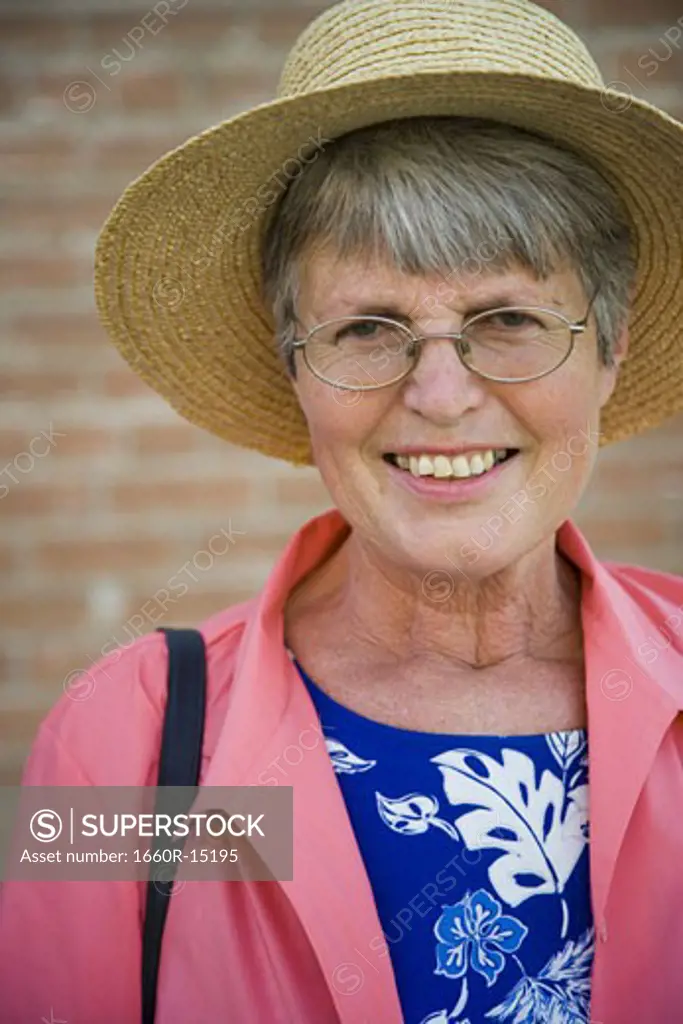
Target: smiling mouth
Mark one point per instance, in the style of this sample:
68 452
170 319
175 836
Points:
456 467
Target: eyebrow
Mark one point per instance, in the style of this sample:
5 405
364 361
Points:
396 312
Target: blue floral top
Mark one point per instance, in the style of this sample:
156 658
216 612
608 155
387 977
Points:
476 848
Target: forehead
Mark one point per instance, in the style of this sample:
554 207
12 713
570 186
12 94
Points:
332 284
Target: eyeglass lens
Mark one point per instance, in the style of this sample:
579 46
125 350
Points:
367 351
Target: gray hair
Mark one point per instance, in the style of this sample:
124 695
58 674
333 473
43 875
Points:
430 194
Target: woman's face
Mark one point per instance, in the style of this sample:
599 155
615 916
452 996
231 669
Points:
478 524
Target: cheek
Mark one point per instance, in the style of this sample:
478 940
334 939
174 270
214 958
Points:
563 420
340 422
562 406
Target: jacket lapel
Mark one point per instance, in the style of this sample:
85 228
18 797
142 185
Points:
272 736
629 709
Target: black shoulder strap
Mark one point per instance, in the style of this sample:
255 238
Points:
179 765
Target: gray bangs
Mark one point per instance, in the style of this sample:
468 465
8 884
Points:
452 197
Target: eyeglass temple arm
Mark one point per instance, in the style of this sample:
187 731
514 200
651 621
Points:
580 325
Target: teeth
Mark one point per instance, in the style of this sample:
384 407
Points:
460 467
442 466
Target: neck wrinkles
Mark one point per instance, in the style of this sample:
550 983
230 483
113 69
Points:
530 610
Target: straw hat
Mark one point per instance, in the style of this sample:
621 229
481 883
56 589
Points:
177 262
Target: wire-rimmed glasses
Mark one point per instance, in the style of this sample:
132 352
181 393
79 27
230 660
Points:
508 344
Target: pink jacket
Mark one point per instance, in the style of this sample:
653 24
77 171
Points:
311 951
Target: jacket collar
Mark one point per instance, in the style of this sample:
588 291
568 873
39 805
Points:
630 707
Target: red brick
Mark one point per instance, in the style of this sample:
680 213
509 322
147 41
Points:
106 30
37 34
5 671
75 93
77 441
12 442
40 499
635 477
18 726
190 609
11 766
107 555
59 438
169 439
141 495
57 329
44 271
34 155
48 668
60 612
281 28
124 383
134 154
617 13
9 557
10 92
301 490
609 533
214 26
109 32
655 64
56 214
229 86
163 91
261 545
25 384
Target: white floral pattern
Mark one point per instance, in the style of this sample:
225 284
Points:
344 761
518 923
413 814
537 828
540 829
559 994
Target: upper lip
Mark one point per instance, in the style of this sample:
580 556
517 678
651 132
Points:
448 450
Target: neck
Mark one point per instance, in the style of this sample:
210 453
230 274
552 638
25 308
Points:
529 610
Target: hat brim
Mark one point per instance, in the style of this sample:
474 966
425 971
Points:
177 277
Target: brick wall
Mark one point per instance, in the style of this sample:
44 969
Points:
113 495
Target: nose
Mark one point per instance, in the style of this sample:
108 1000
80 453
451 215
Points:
440 388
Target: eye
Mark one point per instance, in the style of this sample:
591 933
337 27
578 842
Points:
358 329
512 319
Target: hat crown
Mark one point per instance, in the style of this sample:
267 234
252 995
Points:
362 40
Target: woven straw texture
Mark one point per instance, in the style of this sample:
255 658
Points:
177 277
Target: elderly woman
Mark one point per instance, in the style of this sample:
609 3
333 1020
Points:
468 251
